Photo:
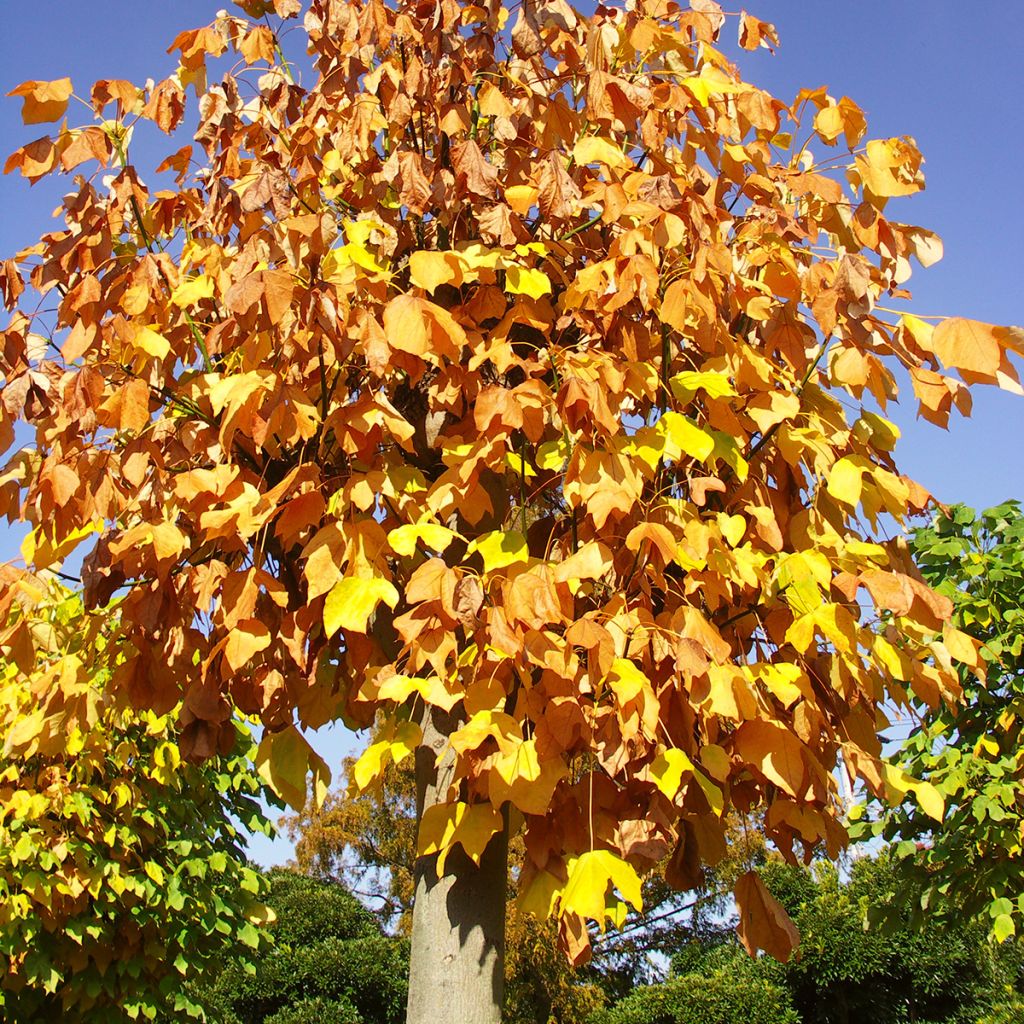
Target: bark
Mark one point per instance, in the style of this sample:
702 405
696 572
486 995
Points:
457 964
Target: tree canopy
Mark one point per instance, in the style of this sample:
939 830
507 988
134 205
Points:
971 752
123 874
512 382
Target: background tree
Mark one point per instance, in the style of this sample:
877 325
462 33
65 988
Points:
492 386
940 973
972 752
123 874
328 963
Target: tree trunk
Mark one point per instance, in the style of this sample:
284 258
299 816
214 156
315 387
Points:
457 966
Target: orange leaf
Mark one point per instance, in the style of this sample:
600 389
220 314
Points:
43 101
764 923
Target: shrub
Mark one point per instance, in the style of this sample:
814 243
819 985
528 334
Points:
695 999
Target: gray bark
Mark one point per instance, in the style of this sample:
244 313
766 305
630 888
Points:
457 965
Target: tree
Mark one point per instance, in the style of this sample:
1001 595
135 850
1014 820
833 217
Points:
489 388
328 962
123 874
367 842
939 971
971 752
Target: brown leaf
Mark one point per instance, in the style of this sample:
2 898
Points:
558 192
473 173
764 923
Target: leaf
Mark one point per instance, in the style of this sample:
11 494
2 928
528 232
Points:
775 752
667 770
43 101
429 270
590 876
891 167
929 798
845 480
403 539
592 149
521 778
244 642
764 923
499 549
521 281
397 743
683 437
284 760
716 385
626 680
152 343
590 562
1003 927
188 293
353 600
471 826
969 345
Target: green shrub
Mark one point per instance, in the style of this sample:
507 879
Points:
330 964
317 1011
696 999
309 911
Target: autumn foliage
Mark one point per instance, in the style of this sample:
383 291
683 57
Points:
526 368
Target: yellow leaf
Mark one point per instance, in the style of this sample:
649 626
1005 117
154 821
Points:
502 727
712 793
891 167
539 895
667 770
552 455
715 385
711 82
522 779
970 345
626 680
234 389
188 293
521 197
590 875
284 760
732 527
592 149
931 800
787 682
775 752
845 480
523 281
715 761
499 549
151 343
354 255
395 745
435 538
472 826
682 436
352 601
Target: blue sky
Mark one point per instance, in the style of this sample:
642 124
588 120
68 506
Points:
947 73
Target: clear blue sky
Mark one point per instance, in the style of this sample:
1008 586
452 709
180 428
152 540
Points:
947 73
